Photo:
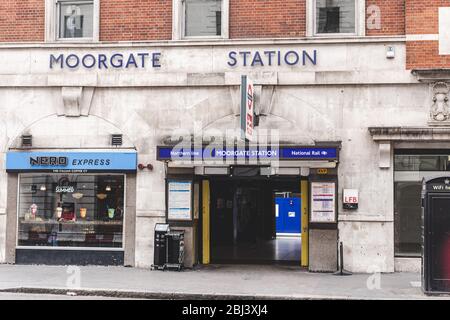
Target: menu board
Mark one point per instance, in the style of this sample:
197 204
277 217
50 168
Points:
180 200
323 202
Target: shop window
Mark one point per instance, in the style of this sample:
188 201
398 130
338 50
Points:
72 20
71 210
422 163
200 19
410 167
407 218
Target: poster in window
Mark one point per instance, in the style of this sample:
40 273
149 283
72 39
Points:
323 202
180 200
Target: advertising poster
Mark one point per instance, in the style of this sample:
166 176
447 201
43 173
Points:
323 199
180 200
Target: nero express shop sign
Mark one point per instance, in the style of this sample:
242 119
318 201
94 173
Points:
71 162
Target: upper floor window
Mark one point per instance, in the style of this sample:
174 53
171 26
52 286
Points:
203 18
200 19
75 19
72 20
336 17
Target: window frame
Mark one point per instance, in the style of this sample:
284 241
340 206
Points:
360 18
122 248
52 21
179 22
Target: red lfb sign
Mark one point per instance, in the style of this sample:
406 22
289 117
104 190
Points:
351 196
350 200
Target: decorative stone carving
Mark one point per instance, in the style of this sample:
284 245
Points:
440 112
384 153
76 101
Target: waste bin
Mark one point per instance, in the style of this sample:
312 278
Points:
175 249
160 246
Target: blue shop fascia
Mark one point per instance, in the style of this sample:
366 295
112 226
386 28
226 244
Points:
71 206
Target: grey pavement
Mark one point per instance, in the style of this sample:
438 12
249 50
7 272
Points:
209 282
28 296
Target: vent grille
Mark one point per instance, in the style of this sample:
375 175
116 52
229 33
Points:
27 141
116 139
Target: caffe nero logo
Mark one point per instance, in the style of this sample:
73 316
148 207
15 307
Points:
49 161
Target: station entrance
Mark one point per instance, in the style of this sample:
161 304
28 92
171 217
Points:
270 211
255 220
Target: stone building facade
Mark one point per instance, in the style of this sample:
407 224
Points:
378 95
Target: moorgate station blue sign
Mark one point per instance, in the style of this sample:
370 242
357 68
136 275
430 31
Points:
178 153
71 162
137 60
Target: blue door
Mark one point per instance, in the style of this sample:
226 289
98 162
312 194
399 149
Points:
287 215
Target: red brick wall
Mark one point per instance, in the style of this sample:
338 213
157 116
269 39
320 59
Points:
22 20
422 17
425 55
267 18
392 16
132 20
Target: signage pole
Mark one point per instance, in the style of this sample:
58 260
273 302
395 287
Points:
243 106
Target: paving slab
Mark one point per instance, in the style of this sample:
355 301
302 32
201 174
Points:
205 282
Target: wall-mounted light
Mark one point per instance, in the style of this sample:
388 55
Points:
149 166
43 188
108 188
390 52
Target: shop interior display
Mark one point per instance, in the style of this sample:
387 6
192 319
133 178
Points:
72 210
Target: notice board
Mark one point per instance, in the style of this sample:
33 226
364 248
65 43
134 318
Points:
323 202
179 202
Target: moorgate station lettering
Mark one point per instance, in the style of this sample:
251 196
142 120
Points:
271 58
106 61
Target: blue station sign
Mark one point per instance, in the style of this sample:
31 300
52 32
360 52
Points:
214 153
71 162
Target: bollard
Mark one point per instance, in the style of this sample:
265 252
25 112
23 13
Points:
341 271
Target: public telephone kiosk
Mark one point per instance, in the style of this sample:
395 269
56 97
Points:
436 235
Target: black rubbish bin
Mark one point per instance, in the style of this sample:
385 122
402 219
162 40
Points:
160 246
175 249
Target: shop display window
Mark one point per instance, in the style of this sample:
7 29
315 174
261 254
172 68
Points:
71 210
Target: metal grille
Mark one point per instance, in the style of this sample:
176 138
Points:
116 139
27 141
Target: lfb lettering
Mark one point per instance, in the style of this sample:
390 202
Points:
350 200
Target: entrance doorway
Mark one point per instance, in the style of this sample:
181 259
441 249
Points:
255 220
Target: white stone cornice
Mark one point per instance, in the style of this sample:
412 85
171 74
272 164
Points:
399 134
208 43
